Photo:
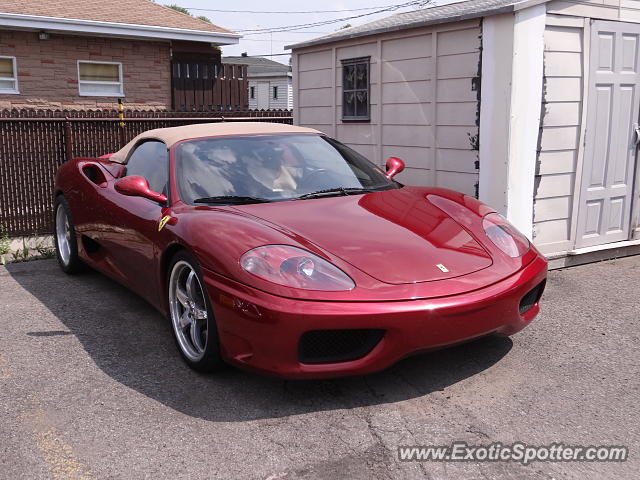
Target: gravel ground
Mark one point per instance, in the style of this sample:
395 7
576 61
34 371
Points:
91 386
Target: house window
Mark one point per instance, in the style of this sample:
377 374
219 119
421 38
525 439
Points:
100 79
355 89
275 93
252 92
8 75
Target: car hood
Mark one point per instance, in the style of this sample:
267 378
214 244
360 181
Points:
396 236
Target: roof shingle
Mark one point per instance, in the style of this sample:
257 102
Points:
419 18
134 12
258 64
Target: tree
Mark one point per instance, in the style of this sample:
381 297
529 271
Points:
180 9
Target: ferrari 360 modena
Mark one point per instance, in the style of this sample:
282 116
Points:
278 249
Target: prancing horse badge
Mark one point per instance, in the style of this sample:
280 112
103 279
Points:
163 222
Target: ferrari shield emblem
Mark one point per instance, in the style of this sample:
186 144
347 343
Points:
163 222
442 267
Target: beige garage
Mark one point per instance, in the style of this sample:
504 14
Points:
531 106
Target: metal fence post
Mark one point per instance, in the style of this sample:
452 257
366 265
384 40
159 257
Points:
68 139
121 122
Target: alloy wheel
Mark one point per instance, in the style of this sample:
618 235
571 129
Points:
63 234
188 310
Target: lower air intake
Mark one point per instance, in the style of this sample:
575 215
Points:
327 346
531 298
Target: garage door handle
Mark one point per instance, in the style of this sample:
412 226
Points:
636 128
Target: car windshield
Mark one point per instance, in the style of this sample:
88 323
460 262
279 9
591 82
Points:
259 168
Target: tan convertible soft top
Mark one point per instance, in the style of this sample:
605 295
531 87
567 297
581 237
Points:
172 135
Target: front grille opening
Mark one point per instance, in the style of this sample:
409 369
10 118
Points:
327 346
531 298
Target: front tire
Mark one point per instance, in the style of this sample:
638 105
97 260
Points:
194 325
64 237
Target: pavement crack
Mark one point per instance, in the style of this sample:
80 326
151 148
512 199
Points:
476 431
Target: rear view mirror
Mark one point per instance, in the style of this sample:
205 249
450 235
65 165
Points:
394 166
136 186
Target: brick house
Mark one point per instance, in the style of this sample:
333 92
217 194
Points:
76 54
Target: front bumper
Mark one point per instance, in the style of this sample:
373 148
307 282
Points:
261 332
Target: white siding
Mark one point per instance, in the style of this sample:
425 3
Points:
560 157
456 154
623 10
285 96
282 102
423 106
313 84
253 102
559 137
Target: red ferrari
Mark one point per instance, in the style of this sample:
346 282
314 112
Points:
278 249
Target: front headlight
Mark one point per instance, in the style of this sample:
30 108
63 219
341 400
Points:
294 267
504 235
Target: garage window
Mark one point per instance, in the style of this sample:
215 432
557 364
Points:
8 75
355 89
100 79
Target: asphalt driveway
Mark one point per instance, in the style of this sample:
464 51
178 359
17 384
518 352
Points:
91 386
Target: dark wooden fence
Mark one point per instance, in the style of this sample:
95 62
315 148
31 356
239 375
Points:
199 86
34 143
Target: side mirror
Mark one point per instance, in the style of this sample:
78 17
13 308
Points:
394 167
135 186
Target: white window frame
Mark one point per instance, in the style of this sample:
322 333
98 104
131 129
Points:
11 91
120 83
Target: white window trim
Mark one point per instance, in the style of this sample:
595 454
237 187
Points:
91 82
15 90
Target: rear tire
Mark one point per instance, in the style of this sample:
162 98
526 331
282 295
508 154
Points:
64 237
192 320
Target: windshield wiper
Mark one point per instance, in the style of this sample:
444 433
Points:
231 200
333 191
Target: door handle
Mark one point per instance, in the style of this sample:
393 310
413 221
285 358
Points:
636 129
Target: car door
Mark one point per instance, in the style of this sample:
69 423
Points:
133 221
